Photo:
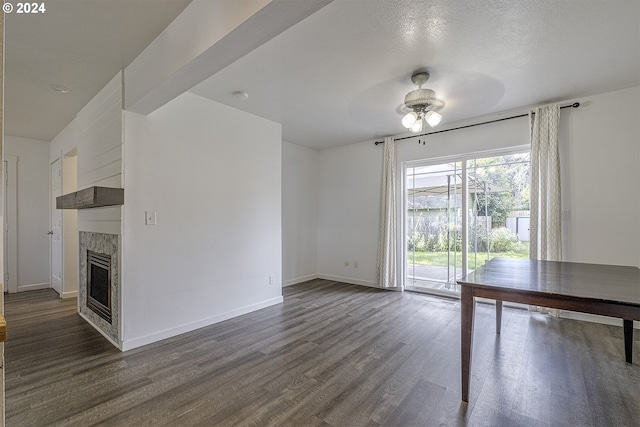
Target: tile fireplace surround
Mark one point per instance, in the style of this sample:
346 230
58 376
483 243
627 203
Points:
106 244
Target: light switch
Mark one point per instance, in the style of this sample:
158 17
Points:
150 218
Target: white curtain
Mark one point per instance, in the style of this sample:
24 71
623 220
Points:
387 274
546 241
545 233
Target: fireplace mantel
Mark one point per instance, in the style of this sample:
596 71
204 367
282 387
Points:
91 197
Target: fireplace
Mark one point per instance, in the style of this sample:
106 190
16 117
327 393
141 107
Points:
99 284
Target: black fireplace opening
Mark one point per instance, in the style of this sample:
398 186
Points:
99 284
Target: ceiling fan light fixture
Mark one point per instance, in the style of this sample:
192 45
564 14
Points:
423 105
417 126
433 118
409 119
422 98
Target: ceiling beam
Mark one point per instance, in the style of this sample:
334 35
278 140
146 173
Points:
204 39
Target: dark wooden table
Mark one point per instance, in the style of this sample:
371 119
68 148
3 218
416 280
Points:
606 290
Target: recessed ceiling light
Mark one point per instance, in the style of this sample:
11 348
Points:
59 88
240 94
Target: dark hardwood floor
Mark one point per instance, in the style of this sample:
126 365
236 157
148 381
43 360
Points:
331 355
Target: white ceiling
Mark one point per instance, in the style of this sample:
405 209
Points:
79 44
340 75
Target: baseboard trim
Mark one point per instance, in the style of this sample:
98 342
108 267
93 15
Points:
349 280
594 318
569 315
297 280
168 333
115 344
71 294
33 287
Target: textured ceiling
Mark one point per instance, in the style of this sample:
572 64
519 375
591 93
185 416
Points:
340 75
78 44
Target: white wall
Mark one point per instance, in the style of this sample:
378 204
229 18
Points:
212 174
601 179
96 135
99 148
32 209
64 142
299 213
349 212
600 153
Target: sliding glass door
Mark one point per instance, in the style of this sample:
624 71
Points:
460 214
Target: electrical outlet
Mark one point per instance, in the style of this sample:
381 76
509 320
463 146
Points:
272 279
355 264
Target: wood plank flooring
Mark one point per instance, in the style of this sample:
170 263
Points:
331 355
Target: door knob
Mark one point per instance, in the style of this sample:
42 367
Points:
49 232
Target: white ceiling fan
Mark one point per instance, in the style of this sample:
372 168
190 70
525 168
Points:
423 104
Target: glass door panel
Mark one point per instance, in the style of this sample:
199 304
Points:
434 227
498 208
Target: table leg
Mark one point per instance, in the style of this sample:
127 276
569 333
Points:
498 316
466 327
628 340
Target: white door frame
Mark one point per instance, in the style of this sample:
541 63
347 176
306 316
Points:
52 230
11 223
70 255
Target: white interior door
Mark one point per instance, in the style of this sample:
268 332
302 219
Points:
56 227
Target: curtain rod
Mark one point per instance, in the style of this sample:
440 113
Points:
574 105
